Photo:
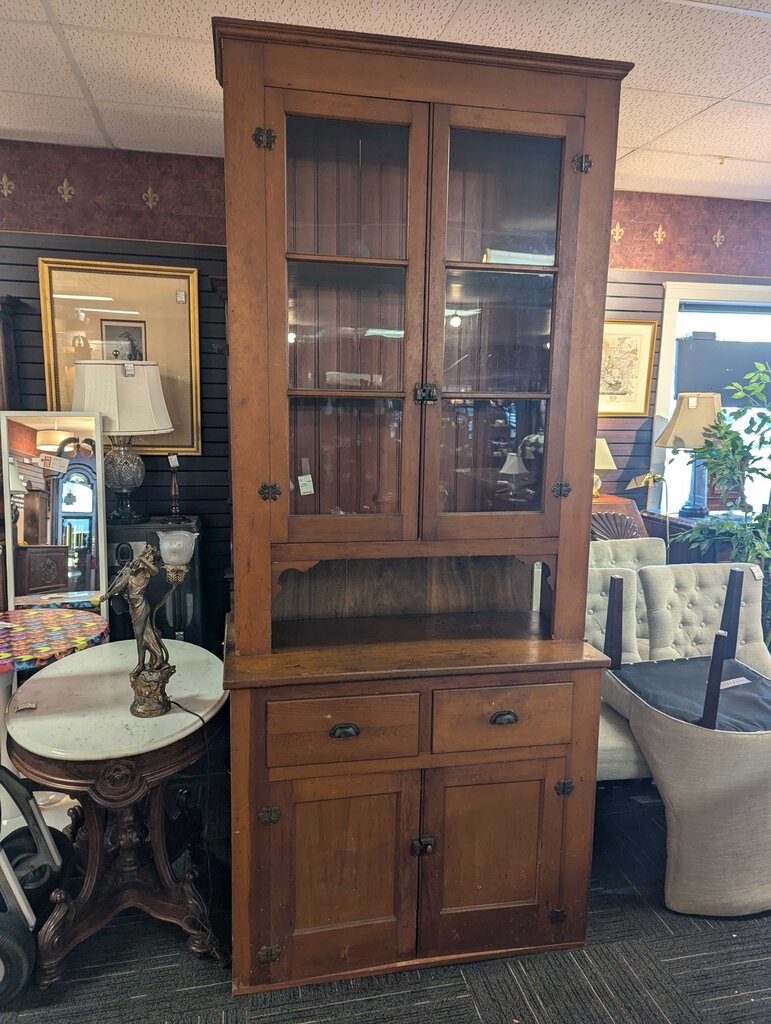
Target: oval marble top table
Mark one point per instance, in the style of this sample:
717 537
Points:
32 637
83 701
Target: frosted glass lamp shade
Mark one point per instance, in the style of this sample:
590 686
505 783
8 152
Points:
694 413
176 546
602 455
128 395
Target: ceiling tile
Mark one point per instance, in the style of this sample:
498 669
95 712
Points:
47 119
681 46
192 20
122 68
749 5
760 92
24 10
646 114
741 130
31 60
648 170
164 130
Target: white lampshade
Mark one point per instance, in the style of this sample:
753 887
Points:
602 455
15 483
49 440
128 395
694 413
513 466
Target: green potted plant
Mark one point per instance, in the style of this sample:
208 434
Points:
733 458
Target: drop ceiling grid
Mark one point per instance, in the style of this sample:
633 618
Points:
164 130
646 170
681 49
61 120
31 61
646 114
729 128
192 18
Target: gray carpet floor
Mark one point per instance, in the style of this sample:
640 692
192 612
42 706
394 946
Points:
642 964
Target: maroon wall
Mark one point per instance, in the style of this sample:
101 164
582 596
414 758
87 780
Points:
187 204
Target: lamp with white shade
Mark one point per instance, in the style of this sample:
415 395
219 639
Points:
695 412
603 459
130 398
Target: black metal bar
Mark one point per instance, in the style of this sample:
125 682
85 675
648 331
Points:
714 679
614 624
732 609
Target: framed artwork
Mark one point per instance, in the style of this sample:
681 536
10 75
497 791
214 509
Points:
130 313
123 339
627 365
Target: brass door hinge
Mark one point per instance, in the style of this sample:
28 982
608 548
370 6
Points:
561 489
581 163
564 787
269 954
264 138
269 815
558 915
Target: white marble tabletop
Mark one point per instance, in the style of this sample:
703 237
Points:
82 703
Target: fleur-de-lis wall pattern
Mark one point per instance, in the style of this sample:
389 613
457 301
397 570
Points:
162 197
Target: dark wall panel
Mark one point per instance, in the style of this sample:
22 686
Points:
204 479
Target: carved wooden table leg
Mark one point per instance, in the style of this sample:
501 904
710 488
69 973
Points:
123 840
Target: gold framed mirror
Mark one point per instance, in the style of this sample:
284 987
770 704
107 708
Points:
130 313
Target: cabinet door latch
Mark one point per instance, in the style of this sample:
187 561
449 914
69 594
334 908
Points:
558 915
269 492
581 163
564 787
269 954
269 815
264 138
426 394
420 847
561 489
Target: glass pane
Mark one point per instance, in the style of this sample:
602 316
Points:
497 330
346 188
350 448
346 327
503 198
492 455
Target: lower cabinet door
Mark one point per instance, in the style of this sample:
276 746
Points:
492 878
343 881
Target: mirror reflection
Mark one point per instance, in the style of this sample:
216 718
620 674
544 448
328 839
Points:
53 509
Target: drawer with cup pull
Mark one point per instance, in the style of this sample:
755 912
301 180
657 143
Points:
331 729
496 717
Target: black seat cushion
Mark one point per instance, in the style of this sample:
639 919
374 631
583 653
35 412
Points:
678 688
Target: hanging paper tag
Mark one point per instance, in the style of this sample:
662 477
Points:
757 572
54 462
728 683
305 480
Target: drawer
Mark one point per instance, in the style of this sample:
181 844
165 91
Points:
342 729
496 717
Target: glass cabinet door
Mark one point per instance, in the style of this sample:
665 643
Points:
346 230
502 230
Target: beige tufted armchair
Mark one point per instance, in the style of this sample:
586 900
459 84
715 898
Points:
716 785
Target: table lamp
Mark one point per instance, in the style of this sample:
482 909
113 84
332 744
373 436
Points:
153 671
602 460
695 412
130 398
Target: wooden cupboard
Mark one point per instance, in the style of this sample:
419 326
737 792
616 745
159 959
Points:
417 252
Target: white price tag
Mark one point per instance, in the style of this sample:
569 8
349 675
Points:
728 683
757 572
58 465
173 460
305 483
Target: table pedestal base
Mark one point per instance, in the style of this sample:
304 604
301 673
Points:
122 839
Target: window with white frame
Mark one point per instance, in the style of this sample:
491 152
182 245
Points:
711 335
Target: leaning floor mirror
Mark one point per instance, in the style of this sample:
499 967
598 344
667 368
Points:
53 509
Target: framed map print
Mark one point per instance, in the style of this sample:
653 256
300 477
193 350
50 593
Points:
627 365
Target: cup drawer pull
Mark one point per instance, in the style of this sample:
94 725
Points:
344 731
504 718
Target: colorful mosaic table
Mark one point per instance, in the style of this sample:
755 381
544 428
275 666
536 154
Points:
83 599
32 637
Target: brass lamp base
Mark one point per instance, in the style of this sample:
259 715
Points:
149 686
